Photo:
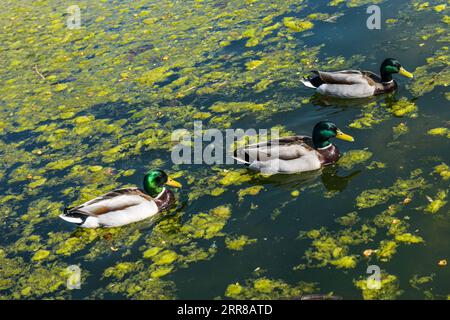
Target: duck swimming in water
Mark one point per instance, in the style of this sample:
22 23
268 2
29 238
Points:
294 154
353 84
125 206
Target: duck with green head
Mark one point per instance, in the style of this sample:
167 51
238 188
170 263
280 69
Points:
124 206
294 154
356 83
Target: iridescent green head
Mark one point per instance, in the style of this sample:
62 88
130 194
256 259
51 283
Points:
155 180
324 131
391 66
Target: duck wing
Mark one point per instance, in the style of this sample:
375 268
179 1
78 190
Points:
286 148
116 200
284 155
372 76
349 77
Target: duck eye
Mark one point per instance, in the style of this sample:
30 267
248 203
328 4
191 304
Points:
161 178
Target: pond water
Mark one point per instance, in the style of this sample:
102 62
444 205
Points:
91 109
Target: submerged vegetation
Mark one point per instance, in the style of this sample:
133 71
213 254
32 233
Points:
85 111
268 289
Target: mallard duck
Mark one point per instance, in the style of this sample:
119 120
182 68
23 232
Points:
124 206
294 154
355 83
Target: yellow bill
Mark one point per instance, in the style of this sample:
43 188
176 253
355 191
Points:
343 136
405 73
172 183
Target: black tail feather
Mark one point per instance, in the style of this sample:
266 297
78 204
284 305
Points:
316 81
71 213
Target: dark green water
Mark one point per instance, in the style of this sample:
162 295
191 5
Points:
81 108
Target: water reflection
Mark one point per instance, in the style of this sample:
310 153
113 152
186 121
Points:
324 101
334 182
328 175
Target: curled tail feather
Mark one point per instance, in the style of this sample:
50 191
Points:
312 82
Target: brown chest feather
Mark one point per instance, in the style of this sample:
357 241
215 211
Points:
329 155
165 200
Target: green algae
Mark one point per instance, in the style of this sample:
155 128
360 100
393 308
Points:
268 289
41 210
391 21
10 268
408 238
60 164
151 252
433 74
443 170
372 197
401 187
439 132
295 193
165 257
389 288
238 243
418 281
173 245
38 182
297 25
234 177
357 3
440 7
149 78
161 272
253 64
141 286
376 165
235 107
354 157
233 290
121 269
217 192
208 225
334 248
250 191
346 262
40 255
349 219
372 114
70 246
42 282
400 130
386 250
403 107
20 280
32 243
437 203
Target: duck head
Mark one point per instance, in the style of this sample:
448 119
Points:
155 180
391 66
324 131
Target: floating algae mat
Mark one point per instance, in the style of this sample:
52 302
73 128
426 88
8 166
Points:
88 109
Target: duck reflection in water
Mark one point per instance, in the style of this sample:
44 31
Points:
328 175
